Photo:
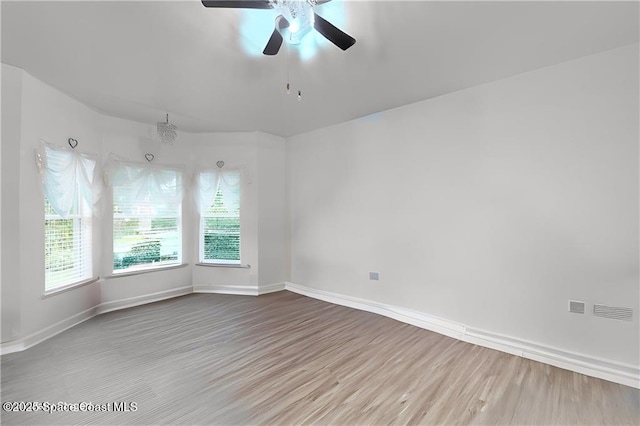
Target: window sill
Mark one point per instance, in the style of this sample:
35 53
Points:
224 265
145 270
64 288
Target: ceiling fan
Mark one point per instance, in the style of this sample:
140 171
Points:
295 20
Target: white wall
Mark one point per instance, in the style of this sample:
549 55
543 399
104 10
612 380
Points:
261 157
32 110
490 207
238 151
51 116
272 220
10 276
132 140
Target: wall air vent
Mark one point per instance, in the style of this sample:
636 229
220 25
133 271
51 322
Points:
613 312
576 306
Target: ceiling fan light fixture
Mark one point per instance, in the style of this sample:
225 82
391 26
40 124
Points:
294 27
167 132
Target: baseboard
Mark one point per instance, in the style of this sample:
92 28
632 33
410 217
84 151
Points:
245 290
612 371
130 302
408 316
23 343
57 328
271 288
46 333
625 374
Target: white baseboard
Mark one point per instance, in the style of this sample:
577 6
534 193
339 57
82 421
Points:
408 316
246 290
46 333
130 302
243 290
625 374
271 288
57 328
612 371
33 339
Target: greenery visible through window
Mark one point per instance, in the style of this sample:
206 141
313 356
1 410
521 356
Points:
145 232
140 241
221 231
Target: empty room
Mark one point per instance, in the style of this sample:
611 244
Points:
337 212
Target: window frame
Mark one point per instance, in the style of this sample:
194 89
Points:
203 215
151 266
82 220
68 178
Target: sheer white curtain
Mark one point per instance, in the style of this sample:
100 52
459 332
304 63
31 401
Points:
71 189
157 186
66 174
207 182
147 218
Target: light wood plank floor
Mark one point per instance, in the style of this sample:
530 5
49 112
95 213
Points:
287 359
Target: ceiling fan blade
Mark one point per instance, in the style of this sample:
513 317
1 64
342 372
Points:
281 23
238 4
274 43
332 33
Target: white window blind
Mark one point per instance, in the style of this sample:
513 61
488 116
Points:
219 204
69 193
147 222
67 246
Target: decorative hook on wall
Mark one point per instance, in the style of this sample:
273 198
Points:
149 157
220 164
72 143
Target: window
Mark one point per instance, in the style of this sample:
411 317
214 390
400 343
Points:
67 245
67 184
220 217
147 231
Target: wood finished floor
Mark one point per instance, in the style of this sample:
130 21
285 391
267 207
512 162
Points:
287 359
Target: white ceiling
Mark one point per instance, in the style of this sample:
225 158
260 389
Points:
138 60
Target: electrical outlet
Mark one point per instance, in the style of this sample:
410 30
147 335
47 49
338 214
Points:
374 276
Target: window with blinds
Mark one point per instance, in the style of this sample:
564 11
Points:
220 228
146 227
67 245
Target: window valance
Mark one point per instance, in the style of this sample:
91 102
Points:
145 189
66 174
